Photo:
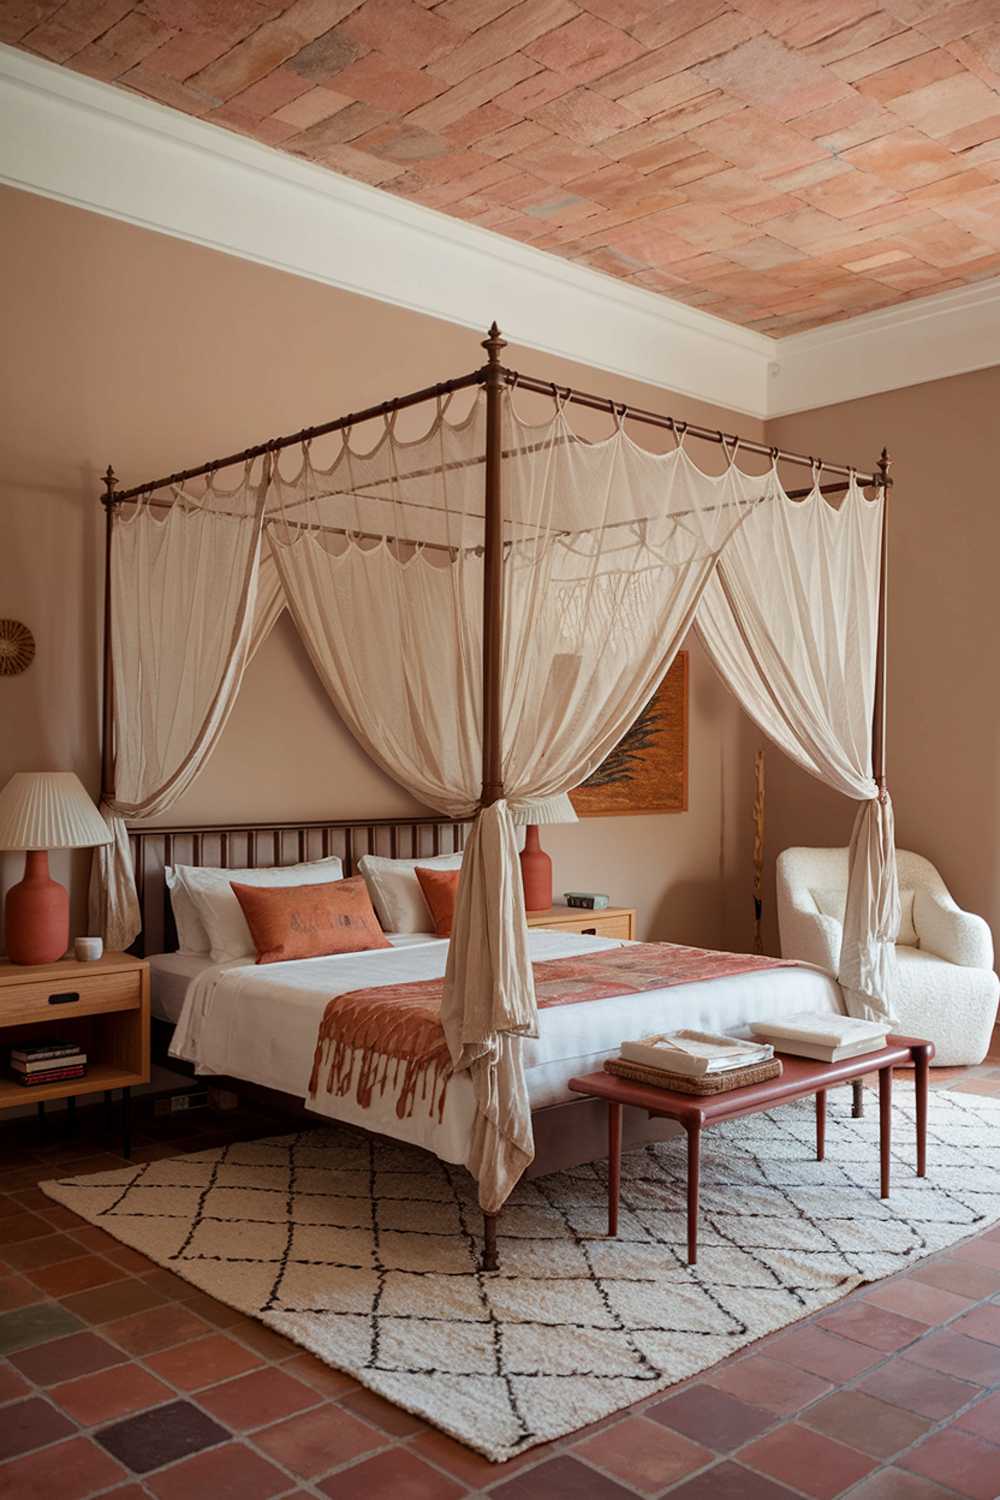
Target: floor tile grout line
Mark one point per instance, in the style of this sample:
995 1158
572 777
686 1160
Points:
177 1392
244 1437
734 1455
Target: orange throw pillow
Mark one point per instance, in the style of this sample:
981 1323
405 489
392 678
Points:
440 888
309 921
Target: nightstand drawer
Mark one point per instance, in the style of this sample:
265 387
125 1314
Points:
617 926
76 995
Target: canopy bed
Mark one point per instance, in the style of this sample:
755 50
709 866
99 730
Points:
489 606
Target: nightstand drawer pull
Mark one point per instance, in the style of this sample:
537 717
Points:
65 997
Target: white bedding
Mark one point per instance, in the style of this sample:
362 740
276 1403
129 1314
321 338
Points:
170 976
260 1022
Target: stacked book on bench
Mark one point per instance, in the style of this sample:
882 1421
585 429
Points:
823 1037
35 1063
695 1062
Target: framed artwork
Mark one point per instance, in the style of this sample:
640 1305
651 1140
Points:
647 771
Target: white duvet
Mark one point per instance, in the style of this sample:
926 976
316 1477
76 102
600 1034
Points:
260 1022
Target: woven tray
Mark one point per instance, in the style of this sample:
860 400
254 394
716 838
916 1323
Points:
683 1083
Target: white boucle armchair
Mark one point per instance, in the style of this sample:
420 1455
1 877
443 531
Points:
947 990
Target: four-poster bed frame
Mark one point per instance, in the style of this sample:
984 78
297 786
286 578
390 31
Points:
493 377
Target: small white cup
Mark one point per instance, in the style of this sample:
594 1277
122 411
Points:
88 949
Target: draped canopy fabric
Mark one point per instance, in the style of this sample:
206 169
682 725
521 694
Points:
610 551
186 613
790 619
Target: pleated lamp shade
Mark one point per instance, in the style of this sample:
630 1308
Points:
551 810
536 866
49 810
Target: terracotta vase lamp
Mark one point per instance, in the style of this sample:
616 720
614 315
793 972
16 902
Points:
536 866
39 811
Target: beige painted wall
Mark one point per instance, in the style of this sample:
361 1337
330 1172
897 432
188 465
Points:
944 629
127 346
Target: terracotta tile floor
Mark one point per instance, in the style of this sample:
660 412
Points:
117 1378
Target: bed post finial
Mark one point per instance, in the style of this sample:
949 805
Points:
493 343
110 480
884 464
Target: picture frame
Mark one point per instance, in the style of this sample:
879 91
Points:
647 772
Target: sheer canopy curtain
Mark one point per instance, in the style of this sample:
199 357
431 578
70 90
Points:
791 620
607 551
188 606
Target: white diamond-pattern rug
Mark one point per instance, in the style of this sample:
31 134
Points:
366 1253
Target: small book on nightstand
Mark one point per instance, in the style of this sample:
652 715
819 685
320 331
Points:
588 900
50 1061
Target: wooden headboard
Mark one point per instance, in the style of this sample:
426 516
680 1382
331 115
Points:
249 845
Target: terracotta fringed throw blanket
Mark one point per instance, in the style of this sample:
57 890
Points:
392 1033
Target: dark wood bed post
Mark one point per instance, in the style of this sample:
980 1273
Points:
110 501
878 707
881 648
493 604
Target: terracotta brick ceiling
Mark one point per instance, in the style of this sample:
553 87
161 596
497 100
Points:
780 163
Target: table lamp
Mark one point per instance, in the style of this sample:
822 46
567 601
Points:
536 866
39 811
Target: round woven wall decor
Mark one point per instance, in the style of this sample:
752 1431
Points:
17 648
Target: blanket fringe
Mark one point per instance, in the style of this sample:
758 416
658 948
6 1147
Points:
422 1060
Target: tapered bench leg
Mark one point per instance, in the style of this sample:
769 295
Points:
693 1129
921 1067
858 1110
821 1124
614 1164
885 1126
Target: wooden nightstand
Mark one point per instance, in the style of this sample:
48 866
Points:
613 921
104 1006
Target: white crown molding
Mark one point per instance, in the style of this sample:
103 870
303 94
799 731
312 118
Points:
927 338
102 148
83 142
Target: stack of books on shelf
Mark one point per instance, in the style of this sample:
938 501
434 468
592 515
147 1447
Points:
821 1036
47 1062
695 1062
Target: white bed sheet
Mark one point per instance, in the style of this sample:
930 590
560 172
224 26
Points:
170 976
228 1025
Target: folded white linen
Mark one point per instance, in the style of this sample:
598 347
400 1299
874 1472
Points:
823 1030
695 1053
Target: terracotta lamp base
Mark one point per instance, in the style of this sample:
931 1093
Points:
36 914
536 872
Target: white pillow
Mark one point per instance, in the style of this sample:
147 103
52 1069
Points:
833 903
219 912
395 890
191 934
